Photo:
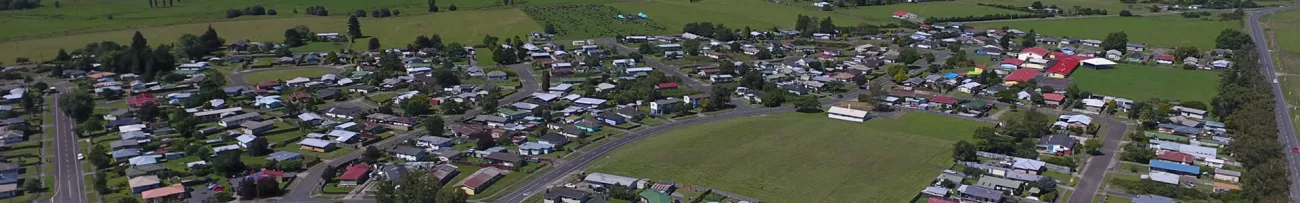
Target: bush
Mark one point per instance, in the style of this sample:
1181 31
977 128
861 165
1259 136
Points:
1125 13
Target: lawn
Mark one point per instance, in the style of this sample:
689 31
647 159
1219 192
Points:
1141 83
285 74
393 32
924 10
1153 31
592 20
796 157
1286 29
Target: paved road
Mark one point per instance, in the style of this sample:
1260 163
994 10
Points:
670 70
69 186
1095 171
301 189
1286 132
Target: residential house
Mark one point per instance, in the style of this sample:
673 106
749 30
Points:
603 180
406 153
139 184
236 120
175 192
1175 168
316 145
257 127
848 114
1056 144
433 142
979 194
1227 175
997 183
479 180
565 195
281 156
504 159
1189 112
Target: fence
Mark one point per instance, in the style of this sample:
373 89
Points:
1048 166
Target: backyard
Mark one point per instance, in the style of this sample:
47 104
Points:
1141 82
1152 31
797 157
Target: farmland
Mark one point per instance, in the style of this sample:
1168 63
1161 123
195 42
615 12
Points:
1145 30
878 14
758 14
392 32
1141 83
799 157
591 20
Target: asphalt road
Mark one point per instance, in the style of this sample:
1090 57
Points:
69 186
1095 171
301 189
1286 130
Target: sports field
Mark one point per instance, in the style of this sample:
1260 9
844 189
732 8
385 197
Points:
392 32
1141 83
797 157
1161 31
884 14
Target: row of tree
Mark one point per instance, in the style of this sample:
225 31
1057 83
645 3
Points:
317 11
378 13
256 10
988 17
19 4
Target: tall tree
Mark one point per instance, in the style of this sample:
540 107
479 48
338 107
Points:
374 44
434 125
77 104
963 151
1115 41
211 39
433 6
371 155
546 79
354 27
293 39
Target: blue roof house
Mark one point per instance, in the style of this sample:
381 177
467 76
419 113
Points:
1175 168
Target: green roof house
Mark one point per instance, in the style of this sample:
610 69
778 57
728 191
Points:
651 196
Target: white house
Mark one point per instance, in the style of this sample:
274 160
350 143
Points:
847 114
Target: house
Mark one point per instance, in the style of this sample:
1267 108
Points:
316 145
1189 112
1023 75
651 196
1056 144
479 180
903 15
1029 166
139 184
444 173
354 175
565 195
535 148
257 127
848 114
1032 53
406 153
283 156
999 183
139 100
1165 59
1135 47
665 106
1177 157
979 194
1221 64
603 180
970 87
497 76
245 140
433 142
1227 175
1072 121
235 120
504 159
171 193
992 51
1053 99
1175 168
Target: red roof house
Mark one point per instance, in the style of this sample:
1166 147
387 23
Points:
141 99
1177 157
1165 58
1036 51
667 85
943 100
1012 61
169 192
901 13
1053 97
101 75
355 174
1021 75
268 85
1063 68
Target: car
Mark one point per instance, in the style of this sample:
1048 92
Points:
80 156
1296 150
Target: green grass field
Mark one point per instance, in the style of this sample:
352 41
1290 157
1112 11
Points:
1112 7
1162 31
392 32
591 20
925 10
284 74
1141 83
796 157
758 14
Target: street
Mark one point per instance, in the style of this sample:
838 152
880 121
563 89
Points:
1286 132
69 186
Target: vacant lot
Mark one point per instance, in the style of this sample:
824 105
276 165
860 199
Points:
928 9
757 14
797 157
1154 31
1140 82
464 27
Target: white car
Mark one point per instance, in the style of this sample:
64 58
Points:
80 156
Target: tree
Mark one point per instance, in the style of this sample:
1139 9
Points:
1005 41
32 185
1232 39
825 26
62 56
644 48
228 163
1183 52
546 79
371 155
258 147
293 39
1030 40
267 187
807 104
77 104
354 27
963 151
99 157
93 124
1092 146
99 182
720 99
434 125
374 44
212 40
550 29
127 199
452 7
194 48
489 102
433 6
1115 41
1125 13
416 105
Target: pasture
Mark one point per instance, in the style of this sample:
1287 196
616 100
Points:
1141 82
797 157
592 20
757 14
393 32
1161 31
1111 7
883 14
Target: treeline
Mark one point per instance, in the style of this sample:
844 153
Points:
710 30
807 25
256 10
879 2
1245 103
317 11
19 4
987 17
378 13
1037 7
